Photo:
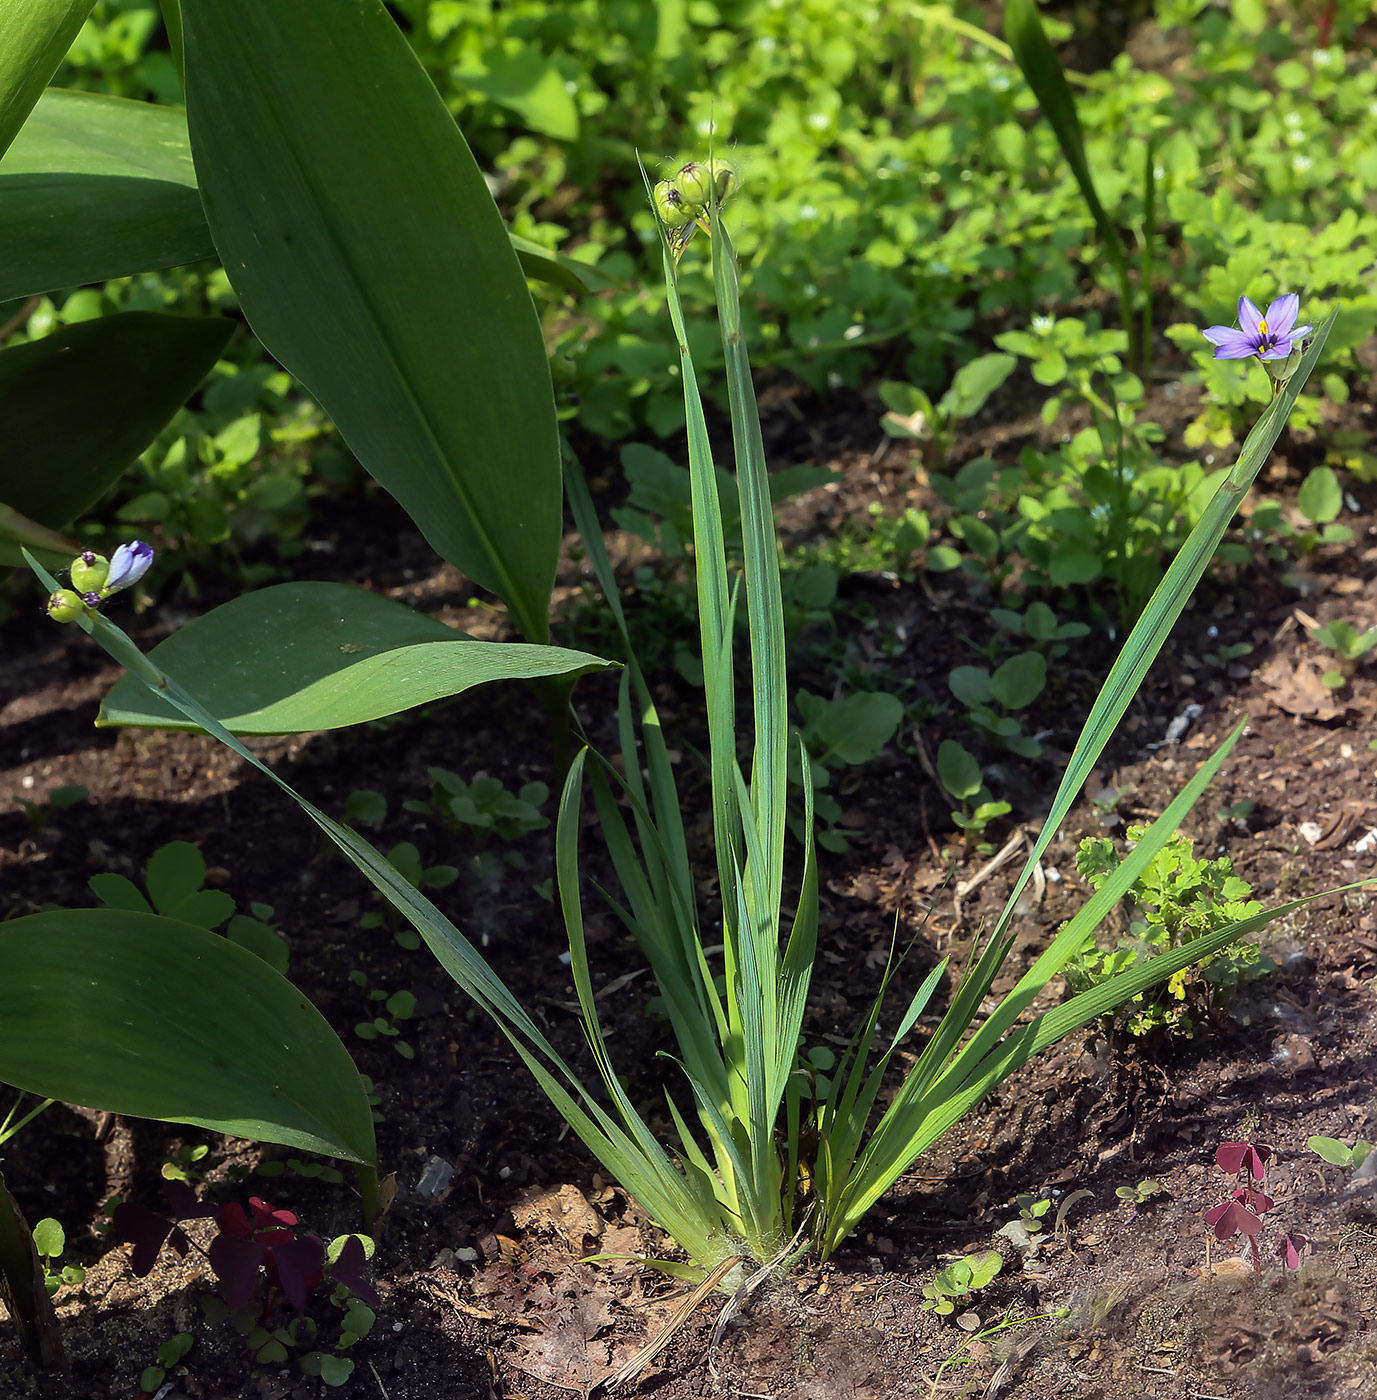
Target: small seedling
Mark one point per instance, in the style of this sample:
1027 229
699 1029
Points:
914 416
483 808
839 733
395 1006
1031 1209
295 1166
50 1240
184 1163
991 698
1350 645
1340 1154
1139 1194
1227 654
962 1277
961 776
170 1353
41 813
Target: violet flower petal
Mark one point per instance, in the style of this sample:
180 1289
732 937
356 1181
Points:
128 565
1281 315
1249 318
1232 344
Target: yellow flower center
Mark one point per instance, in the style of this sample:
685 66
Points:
1262 328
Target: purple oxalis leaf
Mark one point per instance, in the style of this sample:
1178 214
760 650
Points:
348 1269
1234 1156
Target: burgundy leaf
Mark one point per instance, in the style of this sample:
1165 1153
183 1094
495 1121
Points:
1232 1218
234 1221
146 1230
348 1269
236 1262
1234 1156
1290 1248
297 1264
184 1204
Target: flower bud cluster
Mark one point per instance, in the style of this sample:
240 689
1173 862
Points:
684 200
95 578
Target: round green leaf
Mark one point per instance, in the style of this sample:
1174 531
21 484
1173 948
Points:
959 771
146 1016
1321 497
303 656
1019 681
970 685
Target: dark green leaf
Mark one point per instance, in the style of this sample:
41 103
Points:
97 187
301 656
143 1015
79 405
36 35
370 259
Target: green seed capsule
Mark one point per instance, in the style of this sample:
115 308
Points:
670 207
89 572
65 606
725 180
694 183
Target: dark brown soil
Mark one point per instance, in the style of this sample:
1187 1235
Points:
483 1292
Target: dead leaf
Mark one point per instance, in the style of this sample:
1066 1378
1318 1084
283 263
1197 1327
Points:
563 1209
1300 691
566 1350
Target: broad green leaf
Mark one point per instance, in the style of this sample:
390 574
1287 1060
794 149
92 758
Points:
79 405
302 656
558 269
97 187
144 1015
528 83
370 259
36 34
973 383
16 531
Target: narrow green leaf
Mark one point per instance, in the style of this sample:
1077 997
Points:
302 656
1041 67
37 33
97 187
79 405
148 1016
370 259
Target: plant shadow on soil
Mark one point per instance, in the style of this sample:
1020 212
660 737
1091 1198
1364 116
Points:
482 1290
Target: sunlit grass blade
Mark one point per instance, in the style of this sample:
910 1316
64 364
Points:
764 604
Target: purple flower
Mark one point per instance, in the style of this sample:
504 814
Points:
128 564
1268 337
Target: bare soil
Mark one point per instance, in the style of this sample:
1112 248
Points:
483 1292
